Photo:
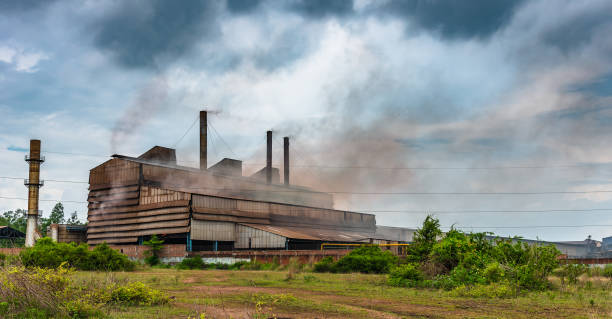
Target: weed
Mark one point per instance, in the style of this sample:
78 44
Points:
310 278
484 291
195 262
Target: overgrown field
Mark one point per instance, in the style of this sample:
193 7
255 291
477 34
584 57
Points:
286 294
443 275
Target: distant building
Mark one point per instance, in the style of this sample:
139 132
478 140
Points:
64 233
9 233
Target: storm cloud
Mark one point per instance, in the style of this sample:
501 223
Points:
377 96
151 33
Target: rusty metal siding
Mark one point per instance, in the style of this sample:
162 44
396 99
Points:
152 195
120 214
112 173
258 238
210 230
214 202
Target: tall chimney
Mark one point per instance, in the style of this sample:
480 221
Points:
286 159
203 141
269 157
33 184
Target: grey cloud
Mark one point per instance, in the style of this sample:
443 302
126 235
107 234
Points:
242 6
22 5
322 8
576 32
456 18
150 33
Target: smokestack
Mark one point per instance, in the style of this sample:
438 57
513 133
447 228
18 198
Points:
203 141
33 184
286 159
269 157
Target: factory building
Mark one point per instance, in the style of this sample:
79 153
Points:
217 208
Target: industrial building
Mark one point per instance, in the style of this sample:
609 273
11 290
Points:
216 208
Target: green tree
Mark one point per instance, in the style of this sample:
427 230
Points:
74 219
425 238
56 217
14 219
155 244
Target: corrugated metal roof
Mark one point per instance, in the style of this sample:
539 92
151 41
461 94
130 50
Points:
314 233
394 233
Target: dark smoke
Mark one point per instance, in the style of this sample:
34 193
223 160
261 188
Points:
150 99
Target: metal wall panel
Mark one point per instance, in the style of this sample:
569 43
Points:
214 202
210 230
258 238
153 195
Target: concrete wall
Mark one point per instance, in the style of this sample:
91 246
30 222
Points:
281 256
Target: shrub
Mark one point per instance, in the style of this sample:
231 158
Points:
573 271
48 254
195 262
255 265
152 255
44 292
493 272
325 265
366 259
607 271
407 275
424 239
137 293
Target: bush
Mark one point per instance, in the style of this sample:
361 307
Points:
44 293
493 272
255 265
461 259
137 293
48 254
607 271
573 271
195 262
325 265
366 259
152 255
424 239
407 275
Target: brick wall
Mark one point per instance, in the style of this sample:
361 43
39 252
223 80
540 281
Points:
10 251
138 252
132 251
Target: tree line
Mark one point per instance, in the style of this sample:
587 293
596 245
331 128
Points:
17 219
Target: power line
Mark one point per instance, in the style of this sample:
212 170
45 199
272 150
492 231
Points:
566 166
530 226
221 138
468 211
75 154
187 131
440 211
48 180
376 193
47 200
454 226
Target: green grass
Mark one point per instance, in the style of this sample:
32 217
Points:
262 294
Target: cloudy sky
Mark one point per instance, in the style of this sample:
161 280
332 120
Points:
465 99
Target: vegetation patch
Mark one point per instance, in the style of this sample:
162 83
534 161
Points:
36 292
365 259
48 254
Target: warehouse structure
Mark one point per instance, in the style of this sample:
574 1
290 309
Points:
217 208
